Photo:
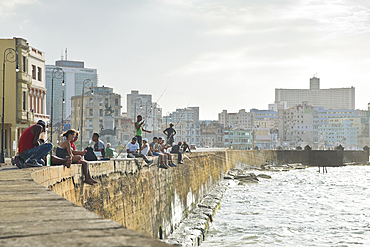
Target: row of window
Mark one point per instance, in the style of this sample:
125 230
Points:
39 73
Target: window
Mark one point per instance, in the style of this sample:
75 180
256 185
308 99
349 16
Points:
24 65
39 78
116 112
116 102
91 112
24 101
100 112
34 72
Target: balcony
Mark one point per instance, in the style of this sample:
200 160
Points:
25 117
23 77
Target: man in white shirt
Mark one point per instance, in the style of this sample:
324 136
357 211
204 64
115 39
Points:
132 149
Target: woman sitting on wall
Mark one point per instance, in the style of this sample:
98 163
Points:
64 151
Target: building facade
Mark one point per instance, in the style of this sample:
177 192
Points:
99 110
332 98
238 138
298 126
212 134
75 74
241 119
24 90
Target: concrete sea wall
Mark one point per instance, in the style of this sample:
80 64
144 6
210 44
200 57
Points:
140 197
154 201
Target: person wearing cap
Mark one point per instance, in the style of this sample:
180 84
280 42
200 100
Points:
176 149
132 149
145 148
30 148
139 129
170 133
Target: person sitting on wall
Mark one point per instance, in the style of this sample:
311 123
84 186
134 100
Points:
65 151
176 149
32 149
109 151
185 147
132 149
155 151
99 145
166 149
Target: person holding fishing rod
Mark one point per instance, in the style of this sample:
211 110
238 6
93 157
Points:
139 130
170 133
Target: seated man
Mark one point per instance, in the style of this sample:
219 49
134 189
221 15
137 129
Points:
132 149
99 145
176 149
32 149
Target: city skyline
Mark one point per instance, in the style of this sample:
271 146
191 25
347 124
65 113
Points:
214 54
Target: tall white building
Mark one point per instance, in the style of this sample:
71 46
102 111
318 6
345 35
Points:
75 74
331 98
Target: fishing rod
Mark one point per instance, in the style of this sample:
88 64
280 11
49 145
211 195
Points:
197 165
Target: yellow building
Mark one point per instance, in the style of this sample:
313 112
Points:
24 96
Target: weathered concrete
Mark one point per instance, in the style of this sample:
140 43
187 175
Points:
32 215
143 198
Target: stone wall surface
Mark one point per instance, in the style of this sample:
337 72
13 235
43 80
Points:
143 198
140 197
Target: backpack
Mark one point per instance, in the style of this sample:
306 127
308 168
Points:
90 155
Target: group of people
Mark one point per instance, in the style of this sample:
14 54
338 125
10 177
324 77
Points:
139 147
33 151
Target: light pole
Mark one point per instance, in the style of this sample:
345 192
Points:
58 73
89 83
63 102
11 56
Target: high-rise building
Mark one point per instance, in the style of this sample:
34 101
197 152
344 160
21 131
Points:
24 93
75 74
331 98
189 114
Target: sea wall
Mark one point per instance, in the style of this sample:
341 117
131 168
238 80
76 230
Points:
153 200
140 197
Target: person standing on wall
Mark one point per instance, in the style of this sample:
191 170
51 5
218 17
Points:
139 130
170 132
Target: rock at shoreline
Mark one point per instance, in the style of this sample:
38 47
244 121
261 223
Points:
264 176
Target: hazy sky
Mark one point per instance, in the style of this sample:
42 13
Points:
217 55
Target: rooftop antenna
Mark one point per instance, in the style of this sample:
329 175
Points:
314 75
61 54
66 54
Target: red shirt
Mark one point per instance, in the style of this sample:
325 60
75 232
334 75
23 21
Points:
73 146
26 140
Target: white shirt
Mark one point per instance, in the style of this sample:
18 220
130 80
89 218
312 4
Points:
132 147
145 150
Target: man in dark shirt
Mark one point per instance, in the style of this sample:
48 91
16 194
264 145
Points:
170 133
176 149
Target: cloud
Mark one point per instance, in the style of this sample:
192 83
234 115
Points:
9 7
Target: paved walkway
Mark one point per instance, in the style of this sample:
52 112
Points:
32 215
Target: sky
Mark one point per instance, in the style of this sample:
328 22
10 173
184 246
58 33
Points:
217 55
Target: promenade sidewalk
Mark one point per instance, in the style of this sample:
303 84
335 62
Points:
32 215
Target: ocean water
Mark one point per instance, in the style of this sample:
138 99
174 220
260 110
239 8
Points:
296 208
